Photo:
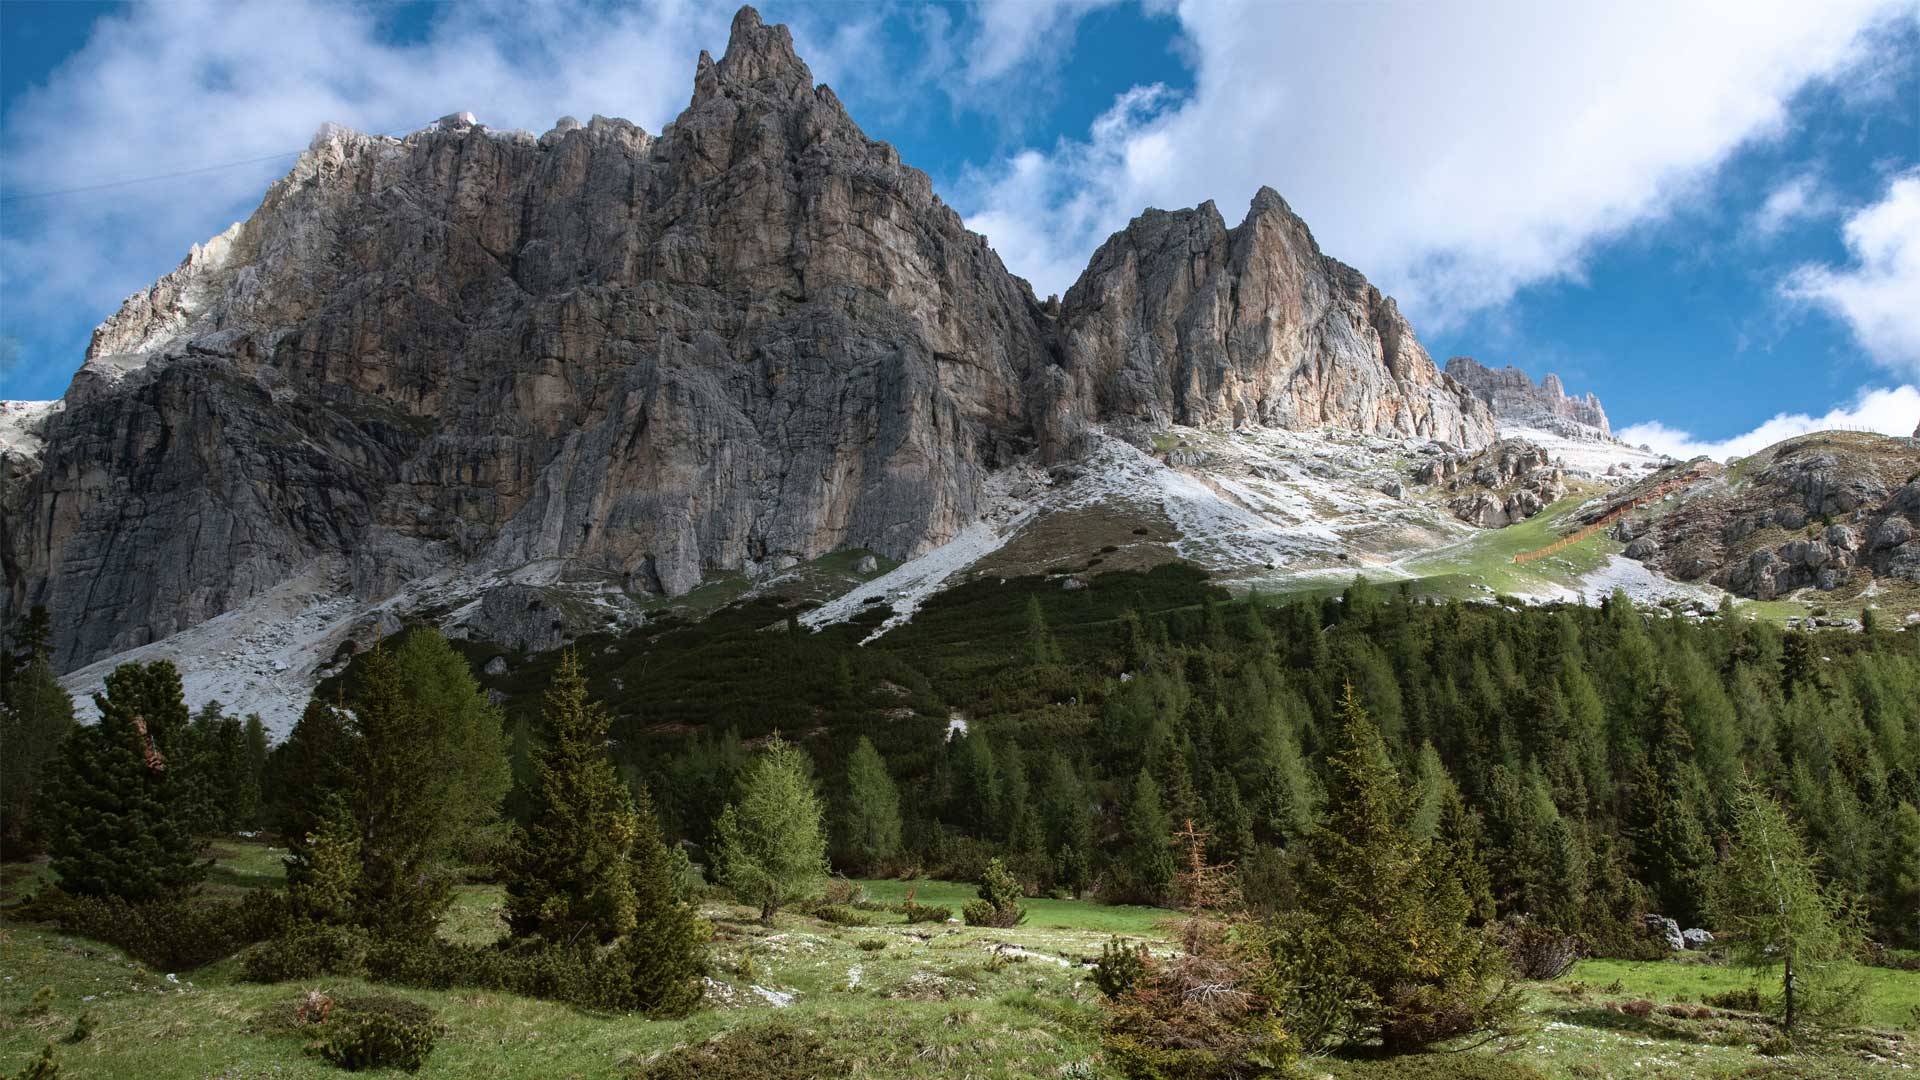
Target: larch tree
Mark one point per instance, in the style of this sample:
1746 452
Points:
772 848
1769 897
34 722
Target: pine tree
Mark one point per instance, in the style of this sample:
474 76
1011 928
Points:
869 819
567 875
117 821
772 848
1896 908
1768 895
430 763
1400 917
1143 869
666 952
35 722
1067 823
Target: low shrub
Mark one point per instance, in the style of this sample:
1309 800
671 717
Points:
305 951
842 915
170 935
1896 959
1120 967
1744 999
611 979
924 913
872 945
43 1067
775 1051
1639 1007
377 1033
1537 952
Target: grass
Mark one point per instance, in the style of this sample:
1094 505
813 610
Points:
1042 913
932 1000
1487 558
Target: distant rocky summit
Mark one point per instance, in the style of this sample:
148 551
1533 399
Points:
1517 401
754 338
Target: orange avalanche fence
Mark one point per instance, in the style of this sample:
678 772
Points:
1611 516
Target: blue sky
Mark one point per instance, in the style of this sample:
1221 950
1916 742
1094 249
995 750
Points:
1707 214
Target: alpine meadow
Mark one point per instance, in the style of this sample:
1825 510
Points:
603 603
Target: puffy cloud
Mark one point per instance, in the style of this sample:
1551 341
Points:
1455 152
1878 296
1890 412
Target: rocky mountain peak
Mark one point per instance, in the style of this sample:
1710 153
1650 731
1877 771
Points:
1517 402
597 355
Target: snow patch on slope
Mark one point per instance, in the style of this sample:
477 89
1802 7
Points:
1600 459
20 425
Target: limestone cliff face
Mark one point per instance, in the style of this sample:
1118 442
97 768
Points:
1517 401
752 338
1182 319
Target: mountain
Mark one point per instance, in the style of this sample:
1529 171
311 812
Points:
1518 402
635 362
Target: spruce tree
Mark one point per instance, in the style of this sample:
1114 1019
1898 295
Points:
1896 897
868 836
1143 869
33 725
665 954
772 848
118 821
567 876
429 764
1769 896
1388 899
1066 813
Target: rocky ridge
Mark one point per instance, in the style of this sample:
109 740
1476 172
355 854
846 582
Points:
1518 402
745 342
1831 513
1508 482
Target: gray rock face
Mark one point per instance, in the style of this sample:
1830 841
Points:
1510 481
752 339
1517 401
1181 319
1662 927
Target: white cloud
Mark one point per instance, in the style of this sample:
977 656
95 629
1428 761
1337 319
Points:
1454 152
1798 198
1879 295
1890 412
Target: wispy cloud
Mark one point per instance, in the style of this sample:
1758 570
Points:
1801 197
1889 411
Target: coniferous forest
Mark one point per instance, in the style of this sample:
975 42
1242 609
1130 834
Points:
1371 822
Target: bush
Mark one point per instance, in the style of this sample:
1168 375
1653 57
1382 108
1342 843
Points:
999 903
1538 952
305 951
43 1067
378 1033
170 935
1120 967
842 915
773 1051
924 913
1745 999
611 979
872 945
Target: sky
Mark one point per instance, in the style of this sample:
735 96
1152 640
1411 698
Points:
1706 213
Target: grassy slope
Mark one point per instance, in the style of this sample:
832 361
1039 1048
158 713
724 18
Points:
933 1002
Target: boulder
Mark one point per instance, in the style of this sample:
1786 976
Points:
1662 927
866 565
1696 938
495 666
1642 549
